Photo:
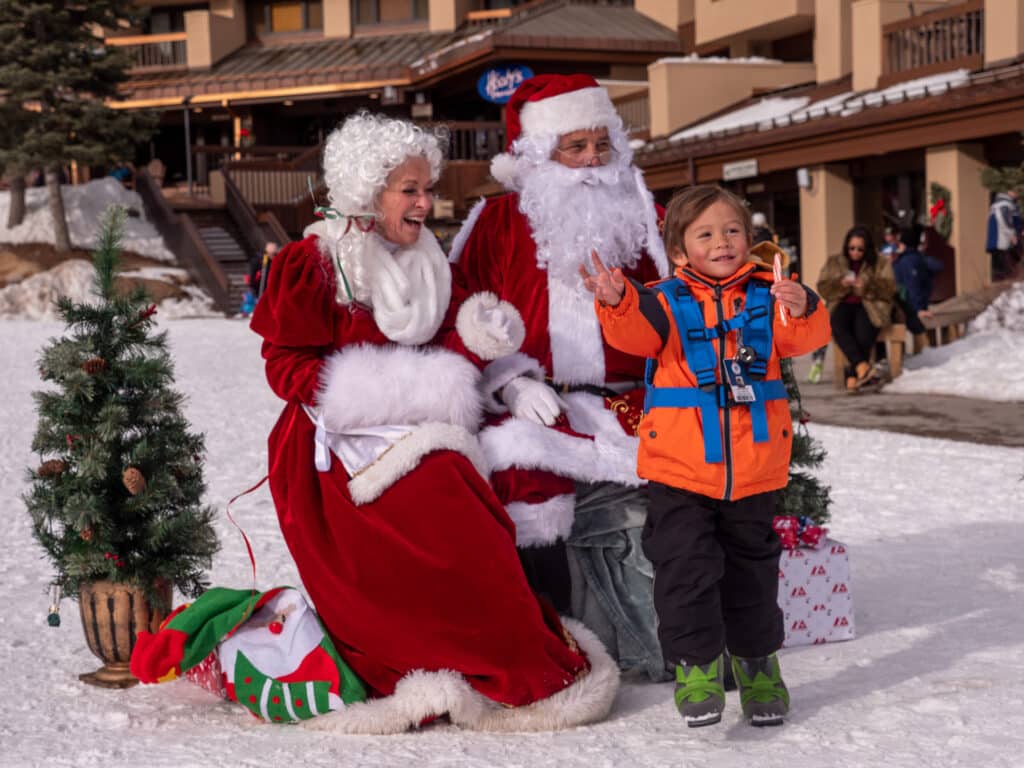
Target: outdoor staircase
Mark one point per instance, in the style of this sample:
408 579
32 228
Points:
225 243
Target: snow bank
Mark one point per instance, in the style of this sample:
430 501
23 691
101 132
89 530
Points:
84 205
1007 311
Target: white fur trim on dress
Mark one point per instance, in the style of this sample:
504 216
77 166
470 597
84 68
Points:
422 694
459 242
543 523
609 457
405 454
655 243
366 385
573 111
499 373
479 339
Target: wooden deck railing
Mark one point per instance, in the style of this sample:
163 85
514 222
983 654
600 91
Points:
182 238
937 41
154 52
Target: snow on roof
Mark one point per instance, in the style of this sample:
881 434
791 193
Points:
693 58
760 112
780 111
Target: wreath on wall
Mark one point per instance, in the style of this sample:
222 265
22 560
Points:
940 212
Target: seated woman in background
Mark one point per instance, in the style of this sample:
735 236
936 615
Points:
378 480
858 287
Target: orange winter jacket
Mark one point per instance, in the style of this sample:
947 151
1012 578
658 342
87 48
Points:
671 439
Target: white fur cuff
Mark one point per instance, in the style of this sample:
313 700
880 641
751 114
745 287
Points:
543 523
573 111
481 339
366 386
499 373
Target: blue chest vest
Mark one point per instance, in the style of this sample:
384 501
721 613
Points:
755 324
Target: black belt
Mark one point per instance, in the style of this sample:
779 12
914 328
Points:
590 389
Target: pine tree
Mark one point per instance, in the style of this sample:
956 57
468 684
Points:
805 495
58 73
118 496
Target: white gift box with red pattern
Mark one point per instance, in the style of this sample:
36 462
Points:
814 594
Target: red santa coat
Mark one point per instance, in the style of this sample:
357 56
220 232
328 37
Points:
535 467
423 574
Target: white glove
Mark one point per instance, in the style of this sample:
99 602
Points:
495 322
533 400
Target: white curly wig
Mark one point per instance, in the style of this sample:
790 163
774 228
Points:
361 153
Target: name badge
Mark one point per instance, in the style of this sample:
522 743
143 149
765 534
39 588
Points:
739 381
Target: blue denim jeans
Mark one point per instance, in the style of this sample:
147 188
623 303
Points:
612 580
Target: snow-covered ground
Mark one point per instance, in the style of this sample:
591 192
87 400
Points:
935 530
987 364
84 206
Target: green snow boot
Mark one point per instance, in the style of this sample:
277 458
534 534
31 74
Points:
763 695
700 697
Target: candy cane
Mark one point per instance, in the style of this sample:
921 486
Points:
777 271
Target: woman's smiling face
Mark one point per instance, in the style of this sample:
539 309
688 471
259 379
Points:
405 202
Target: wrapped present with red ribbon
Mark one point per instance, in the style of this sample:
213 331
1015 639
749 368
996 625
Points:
799 532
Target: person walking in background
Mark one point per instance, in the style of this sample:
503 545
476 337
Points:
890 242
915 272
714 336
256 280
761 230
859 288
1004 230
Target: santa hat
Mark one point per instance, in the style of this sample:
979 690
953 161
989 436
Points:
558 104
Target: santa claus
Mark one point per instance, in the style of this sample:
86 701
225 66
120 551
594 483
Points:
375 469
562 442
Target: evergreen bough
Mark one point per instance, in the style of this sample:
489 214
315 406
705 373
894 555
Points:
119 496
805 495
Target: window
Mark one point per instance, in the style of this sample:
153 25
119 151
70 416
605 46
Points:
162 20
270 16
388 11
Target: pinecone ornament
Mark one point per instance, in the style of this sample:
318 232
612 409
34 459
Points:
94 365
134 481
52 468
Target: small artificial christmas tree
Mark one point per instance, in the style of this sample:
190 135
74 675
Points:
118 495
805 495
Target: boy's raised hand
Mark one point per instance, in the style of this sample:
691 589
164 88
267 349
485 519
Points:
607 287
792 296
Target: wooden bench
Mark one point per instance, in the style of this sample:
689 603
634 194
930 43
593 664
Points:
894 337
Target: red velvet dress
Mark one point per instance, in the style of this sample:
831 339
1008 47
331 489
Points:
423 577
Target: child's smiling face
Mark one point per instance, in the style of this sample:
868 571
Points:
716 242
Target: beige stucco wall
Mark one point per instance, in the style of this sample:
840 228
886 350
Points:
869 16
668 13
718 20
685 90
833 34
826 214
337 18
211 35
446 15
1004 30
958 167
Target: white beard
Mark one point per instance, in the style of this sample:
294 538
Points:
408 288
573 211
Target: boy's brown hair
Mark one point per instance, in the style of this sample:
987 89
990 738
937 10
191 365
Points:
689 203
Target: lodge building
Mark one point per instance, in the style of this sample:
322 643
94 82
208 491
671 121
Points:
822 113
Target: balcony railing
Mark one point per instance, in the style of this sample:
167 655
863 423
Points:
475 140
154 52
635 110
944 39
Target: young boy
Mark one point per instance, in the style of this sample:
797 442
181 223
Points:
715 443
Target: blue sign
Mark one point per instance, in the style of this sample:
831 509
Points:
497 84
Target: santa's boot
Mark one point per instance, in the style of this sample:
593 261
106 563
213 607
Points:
700 695
763 695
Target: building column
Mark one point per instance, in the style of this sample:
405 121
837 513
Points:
826 215
958 167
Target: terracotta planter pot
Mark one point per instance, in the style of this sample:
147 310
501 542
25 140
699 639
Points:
112 616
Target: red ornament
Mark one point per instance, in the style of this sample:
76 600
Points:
147 312
276 627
